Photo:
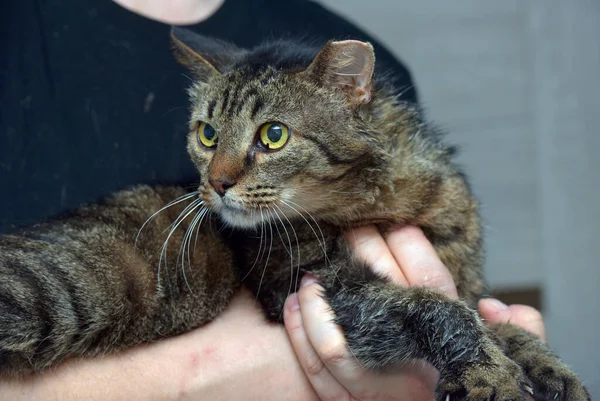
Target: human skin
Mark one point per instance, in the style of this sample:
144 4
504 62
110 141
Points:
241 356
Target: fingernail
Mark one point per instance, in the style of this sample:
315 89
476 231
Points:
292 302
307 280
497 304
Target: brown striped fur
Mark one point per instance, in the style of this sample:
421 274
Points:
92 282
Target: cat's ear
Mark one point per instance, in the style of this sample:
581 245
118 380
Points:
205 57
347 64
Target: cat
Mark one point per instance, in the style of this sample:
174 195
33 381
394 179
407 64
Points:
293 145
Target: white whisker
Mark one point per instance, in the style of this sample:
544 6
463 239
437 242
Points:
267 261
168 205
262 225
346 75
193 206
291 252
318 226
187 240
322 243
297 244
205 212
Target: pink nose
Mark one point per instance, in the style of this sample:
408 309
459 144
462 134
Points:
221 184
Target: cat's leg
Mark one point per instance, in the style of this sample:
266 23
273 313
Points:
550 377
386 325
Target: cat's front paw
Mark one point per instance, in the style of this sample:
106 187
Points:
552 380
502 381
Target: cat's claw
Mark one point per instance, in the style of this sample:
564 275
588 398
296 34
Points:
504 381
553 380
529 389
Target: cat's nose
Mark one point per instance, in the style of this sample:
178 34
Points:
221 184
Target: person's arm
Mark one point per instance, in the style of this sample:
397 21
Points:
238 356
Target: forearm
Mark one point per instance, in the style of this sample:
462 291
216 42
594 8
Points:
238 356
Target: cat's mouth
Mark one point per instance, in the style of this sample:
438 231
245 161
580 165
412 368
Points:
236 211
240 216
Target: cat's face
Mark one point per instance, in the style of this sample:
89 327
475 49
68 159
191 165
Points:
270 144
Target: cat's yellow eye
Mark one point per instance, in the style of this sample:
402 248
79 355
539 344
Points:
274 135
207 135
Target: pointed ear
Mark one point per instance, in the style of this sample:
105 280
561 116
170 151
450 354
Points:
205 57
347 64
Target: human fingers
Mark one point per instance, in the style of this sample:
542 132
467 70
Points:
369 245
326 338
331 368
319 376
419 261
495 312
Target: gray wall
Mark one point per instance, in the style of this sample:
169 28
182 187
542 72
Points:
517 85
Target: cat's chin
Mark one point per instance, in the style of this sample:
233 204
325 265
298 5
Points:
241 219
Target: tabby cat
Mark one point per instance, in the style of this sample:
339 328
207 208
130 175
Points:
293 146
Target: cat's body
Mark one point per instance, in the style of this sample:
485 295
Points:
292 147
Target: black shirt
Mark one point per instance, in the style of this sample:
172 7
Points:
91 100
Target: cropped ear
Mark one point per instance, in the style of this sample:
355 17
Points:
205 57
347 64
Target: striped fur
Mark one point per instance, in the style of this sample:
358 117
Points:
104 277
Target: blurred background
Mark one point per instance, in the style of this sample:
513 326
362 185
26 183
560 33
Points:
517 85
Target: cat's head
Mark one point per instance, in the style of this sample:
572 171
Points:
280 129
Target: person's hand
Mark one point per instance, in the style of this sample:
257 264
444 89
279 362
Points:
320 345
407 258
176 12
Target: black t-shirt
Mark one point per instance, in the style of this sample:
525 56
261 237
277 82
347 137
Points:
91 100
